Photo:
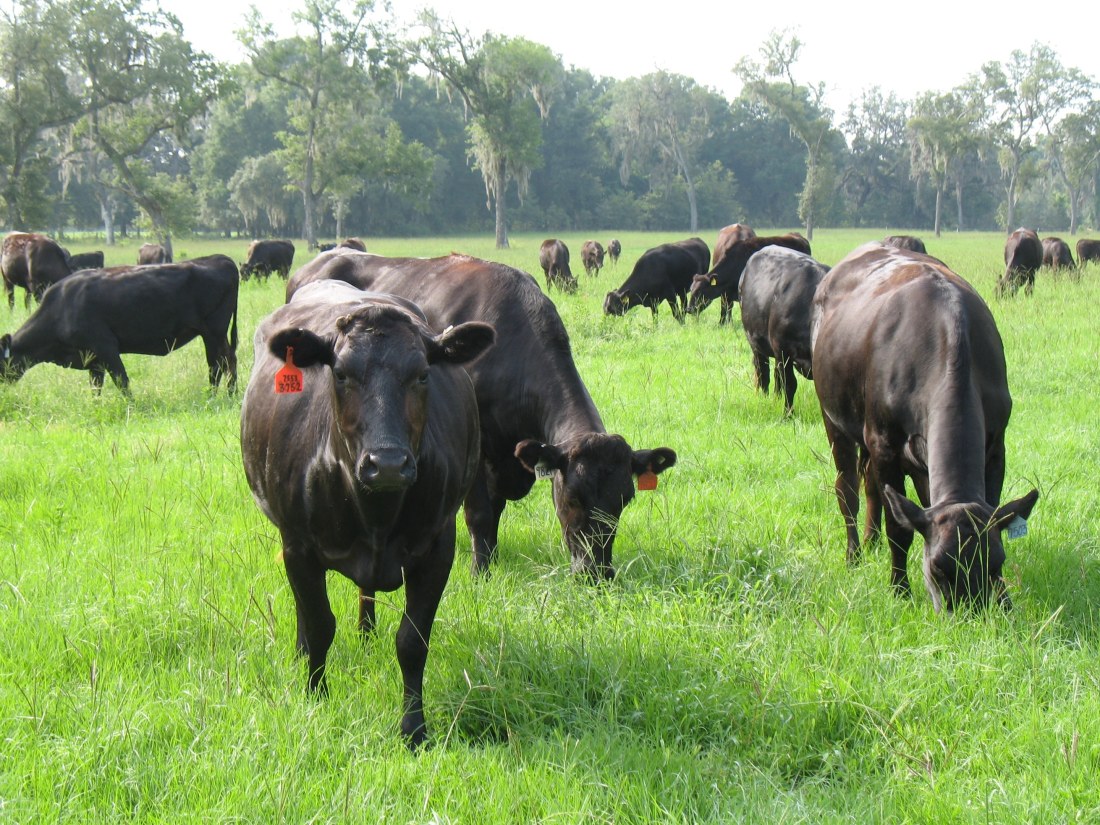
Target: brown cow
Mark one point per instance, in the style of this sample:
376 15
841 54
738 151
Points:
1056 254
89 319
910 372
362 465
153 253
910 242
1087 250
592 257
662 273
554 260
777 296
33 262
1023 257
723 279
727 237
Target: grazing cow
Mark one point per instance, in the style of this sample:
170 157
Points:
910 242
777 296
1056 254
727 237
265 257
89 319
662 273
614 250
363 468
153 253
724 277
536 414
33 262
910 372
1023 257
1087 250
592 257
86 260
554 260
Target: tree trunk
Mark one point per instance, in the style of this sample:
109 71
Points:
959 204
498 202
939 206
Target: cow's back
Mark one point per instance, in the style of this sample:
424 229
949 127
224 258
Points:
145 307
894 329
454 289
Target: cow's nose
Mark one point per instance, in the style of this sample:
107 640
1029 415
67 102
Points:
387 469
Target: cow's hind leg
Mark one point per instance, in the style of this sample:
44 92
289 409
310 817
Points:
221 361
785 382
761 368
847 484
899 538
483 510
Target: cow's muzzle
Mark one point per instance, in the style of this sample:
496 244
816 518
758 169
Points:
387 469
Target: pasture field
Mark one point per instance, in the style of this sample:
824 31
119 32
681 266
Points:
735 671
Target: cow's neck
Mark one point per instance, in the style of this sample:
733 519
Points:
569 413
956 450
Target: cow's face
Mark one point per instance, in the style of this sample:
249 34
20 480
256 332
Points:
12 366
380 370
698 297
963 551
593 481
615 304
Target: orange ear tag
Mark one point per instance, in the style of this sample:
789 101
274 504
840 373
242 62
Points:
289 378
647 481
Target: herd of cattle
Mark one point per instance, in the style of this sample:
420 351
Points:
388 392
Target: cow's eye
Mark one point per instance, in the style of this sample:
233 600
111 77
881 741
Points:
423 377
340 376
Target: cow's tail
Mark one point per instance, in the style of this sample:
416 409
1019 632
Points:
233 329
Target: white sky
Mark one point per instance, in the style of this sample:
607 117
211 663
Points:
852 47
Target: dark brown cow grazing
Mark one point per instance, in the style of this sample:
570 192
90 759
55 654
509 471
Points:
84 260
592 257
727 237
364 469
33 262
153 253
724 277
1023 257
1087 250
777 297
90 318
265 257
535 409
910 242
662 273
614 250
1056 254
554 260
910 372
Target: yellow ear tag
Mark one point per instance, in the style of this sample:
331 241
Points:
714 282
626 300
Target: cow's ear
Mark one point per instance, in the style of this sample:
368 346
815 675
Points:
534 455
652 461
461 344
1019 508
309 348
907 513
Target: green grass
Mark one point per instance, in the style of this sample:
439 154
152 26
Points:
736 670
